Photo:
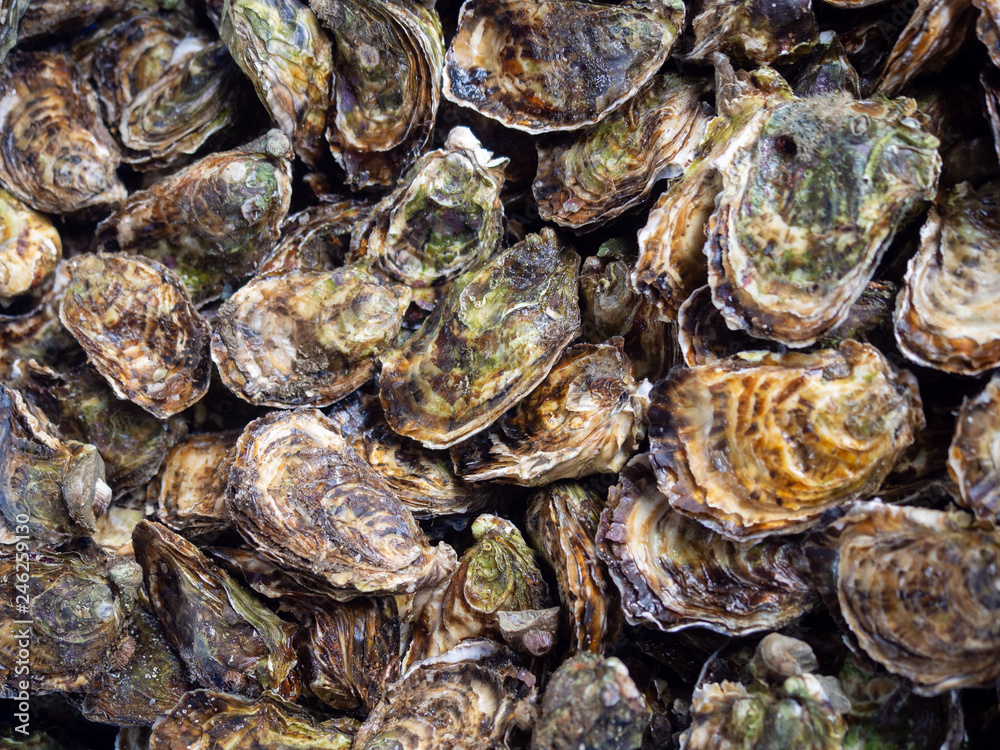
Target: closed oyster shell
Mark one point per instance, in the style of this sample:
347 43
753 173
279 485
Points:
316 238
136 322
525 63
213 221
763 443
760 32
282 49
225 636
947 315
807 211
490 341
611 167
917 589
66 162
464 699
30 248
306 338
302 496
974 455
562 523
674 573
585 418
215 721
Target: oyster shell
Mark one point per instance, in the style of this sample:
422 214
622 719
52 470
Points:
52 17
114 529
827 70
974 455
136 322
316 238
763 443
526 64
760 32
611 167
591 703
11 12
214 721
302 496
916 588
464 699
490 341
30 249
807 211
213 221
69 615
562 521
988 27
305 338
226 638
443 219
281 48
946 314
673 573
65 162
585 418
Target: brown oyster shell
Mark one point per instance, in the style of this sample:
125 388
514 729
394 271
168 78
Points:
316 238
30 248
988 27
974 455
763 443
136 322
56 17
302 496
761 32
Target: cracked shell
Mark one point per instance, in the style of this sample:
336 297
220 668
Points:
306 338
305 500
760 32
135 320
30 249
947 314
974 455
544 65
763 443
490 341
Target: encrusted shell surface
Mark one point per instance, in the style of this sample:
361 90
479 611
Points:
136 322
30 248
490 341
543 65
974 455
763 443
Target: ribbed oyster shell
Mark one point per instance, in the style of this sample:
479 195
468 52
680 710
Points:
282 49
136 322
609 168
585 418
302 496
974 455
763 443
316 238
526 63
30 248
213 221
761 32
57 156
917 589
562 521
947 314
306 338
674 573
490 341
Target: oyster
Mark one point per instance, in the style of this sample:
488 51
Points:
974 456
807 211
497 573
226 638
585 418
763 443
52 17
444 218
315 239
213 221
214 721
302 496
65 162
946 314
490 341
387 85
30 248
562 523
673 573
760 32
69 616
527 64
465 699
11 12
917 589
988 27
306 338
609 168
136 322
353 652
591 703
281 48
50 490
189 492
114 529
827 70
